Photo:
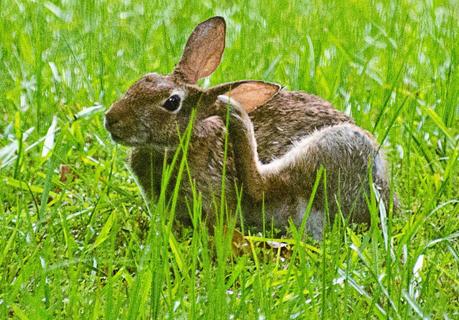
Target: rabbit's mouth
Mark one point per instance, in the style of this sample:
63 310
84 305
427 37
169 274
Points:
116 138
119 139
135 142
132 141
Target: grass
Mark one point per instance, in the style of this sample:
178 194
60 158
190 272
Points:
78 241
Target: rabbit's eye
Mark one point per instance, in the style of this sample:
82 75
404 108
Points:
172 103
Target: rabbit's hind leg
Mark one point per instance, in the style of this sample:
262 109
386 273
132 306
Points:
244 144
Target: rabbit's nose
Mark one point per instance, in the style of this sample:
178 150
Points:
111 119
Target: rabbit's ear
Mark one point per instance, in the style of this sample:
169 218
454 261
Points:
249 94
203 51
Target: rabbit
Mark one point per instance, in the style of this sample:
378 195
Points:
156 109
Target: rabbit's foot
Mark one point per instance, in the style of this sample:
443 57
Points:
239 120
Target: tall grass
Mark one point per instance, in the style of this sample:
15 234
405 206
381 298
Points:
77 240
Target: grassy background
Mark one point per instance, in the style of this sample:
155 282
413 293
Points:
83 245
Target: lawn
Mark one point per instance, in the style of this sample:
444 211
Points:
77 239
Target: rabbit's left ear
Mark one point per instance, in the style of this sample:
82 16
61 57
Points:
249 94
203 51
252 94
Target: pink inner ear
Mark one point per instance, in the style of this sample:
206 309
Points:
251 95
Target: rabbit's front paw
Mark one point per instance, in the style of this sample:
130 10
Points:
238 116
240 124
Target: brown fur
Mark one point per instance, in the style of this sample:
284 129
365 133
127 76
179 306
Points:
278 124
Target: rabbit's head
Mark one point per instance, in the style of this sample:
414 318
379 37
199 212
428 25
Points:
157 108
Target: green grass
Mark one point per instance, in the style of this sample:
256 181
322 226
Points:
89 248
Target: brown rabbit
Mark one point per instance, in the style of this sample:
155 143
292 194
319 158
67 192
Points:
157 109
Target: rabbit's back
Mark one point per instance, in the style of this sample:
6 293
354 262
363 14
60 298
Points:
287 118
